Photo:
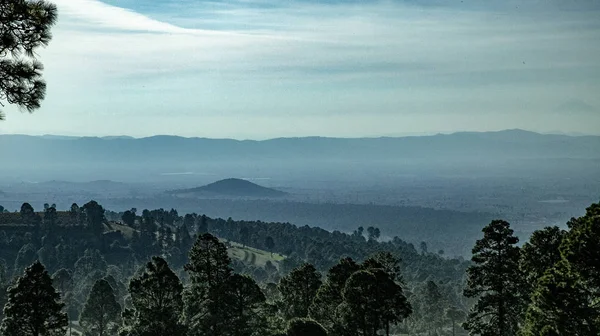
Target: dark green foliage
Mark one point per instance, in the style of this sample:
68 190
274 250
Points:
539 254
565 300
561 305
329 295
101 310
433 305
386 261
305 327
157 304
372 302
242 299
373 233
298 289
128 218
94 214
209 269
269 244
495 280
24 27
34 307
581 247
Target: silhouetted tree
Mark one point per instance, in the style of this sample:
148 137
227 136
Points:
128 218
242 299
329 296
539 254
209 269
24 27
269 244
94 213
101 310
34 307
157 304
298 289
373 302
496 281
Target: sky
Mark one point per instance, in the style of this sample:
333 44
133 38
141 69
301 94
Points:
258 69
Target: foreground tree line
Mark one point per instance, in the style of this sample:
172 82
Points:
353 299
549 286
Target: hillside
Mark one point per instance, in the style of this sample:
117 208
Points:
231 187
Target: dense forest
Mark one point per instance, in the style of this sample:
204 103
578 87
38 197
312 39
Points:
155 272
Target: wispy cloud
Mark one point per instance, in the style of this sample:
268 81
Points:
248 68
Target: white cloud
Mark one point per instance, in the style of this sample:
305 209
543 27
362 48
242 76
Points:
311 63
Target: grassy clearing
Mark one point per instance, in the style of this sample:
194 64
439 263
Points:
253 256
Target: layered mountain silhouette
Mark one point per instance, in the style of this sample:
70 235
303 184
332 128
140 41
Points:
231 187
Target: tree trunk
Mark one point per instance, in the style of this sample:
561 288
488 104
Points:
453 331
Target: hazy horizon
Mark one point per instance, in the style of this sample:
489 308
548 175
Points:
399 135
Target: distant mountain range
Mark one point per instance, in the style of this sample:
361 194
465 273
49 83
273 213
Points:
126 159
231 187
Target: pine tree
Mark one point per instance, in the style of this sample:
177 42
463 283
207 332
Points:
242 300
329 296
101 310
209 269
298 289
432 299
156 297
495 279
34 307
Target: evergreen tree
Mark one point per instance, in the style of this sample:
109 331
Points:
91 261
565 300
269 244
496 281
329 296
372 302
561 305
101 310
27 254
242 298
209 269
432 300
94 214
298 289
156 298
539 254
34 307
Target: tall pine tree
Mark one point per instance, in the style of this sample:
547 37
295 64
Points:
209 269
101 310
156 297
496 281
34 307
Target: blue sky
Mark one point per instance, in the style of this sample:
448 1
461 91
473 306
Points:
262 68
